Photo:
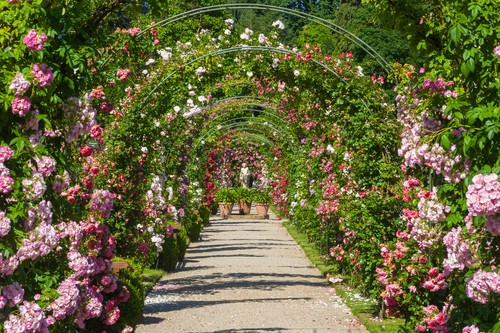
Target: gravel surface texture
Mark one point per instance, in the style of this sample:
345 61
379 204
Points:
245 275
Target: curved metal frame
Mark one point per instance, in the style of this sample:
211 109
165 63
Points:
240 49
325 23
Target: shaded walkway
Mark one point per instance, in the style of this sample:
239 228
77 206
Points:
246 275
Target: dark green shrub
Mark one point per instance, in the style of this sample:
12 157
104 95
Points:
182 243
204 214
131 311
168 258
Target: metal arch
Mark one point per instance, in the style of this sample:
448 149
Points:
233 121
220 101
252 122
325 23
261 111
233 84
233 126
259 137
247 48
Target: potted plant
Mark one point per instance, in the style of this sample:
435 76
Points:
262 201
244 198
226 198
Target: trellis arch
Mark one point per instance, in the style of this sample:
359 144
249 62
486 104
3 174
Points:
315 19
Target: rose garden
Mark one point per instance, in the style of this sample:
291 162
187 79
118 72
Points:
124 125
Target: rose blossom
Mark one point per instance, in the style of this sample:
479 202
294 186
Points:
21 106
34 41
6 181
46 165
43 75
19 84
14 293
4 224
86 151
123 74
5 153
496 51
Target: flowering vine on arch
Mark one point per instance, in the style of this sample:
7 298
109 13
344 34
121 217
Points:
109 167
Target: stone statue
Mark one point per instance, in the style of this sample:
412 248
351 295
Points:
244 175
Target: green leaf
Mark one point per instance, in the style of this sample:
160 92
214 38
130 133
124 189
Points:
445 142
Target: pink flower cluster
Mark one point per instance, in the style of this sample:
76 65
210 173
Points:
34 41
82 265
496 51
34 187
123 74
13 293
5 153
415 149
102 200
6 181
40 242
32 320
483 195
471 329
435 320
461 253
439 86
431 210
21 106
80 117
19 84
483 198
481 284
435 281
4 224
91 306
43 75
45 165
68 302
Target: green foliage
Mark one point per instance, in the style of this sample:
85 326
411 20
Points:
169 256
262 198
226 195
131 277
244 194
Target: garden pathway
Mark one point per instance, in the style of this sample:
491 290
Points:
245 275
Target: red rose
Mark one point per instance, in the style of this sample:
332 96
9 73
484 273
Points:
86 151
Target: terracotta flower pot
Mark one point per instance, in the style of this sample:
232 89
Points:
244 207
225 209
261 209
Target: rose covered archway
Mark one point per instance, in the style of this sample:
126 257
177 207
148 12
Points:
125 174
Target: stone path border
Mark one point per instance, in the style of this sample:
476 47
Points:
246 275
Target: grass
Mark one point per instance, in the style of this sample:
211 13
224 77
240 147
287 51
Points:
360 306
149 278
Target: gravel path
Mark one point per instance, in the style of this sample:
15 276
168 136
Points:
245 275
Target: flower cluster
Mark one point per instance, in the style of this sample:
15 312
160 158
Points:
483 195
21 106
481 284
79 116
483 198
4 224
43 75
435 320
45 165
431 210
32 320
34 187
461 253
102 201
19 84
416 150
35 41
